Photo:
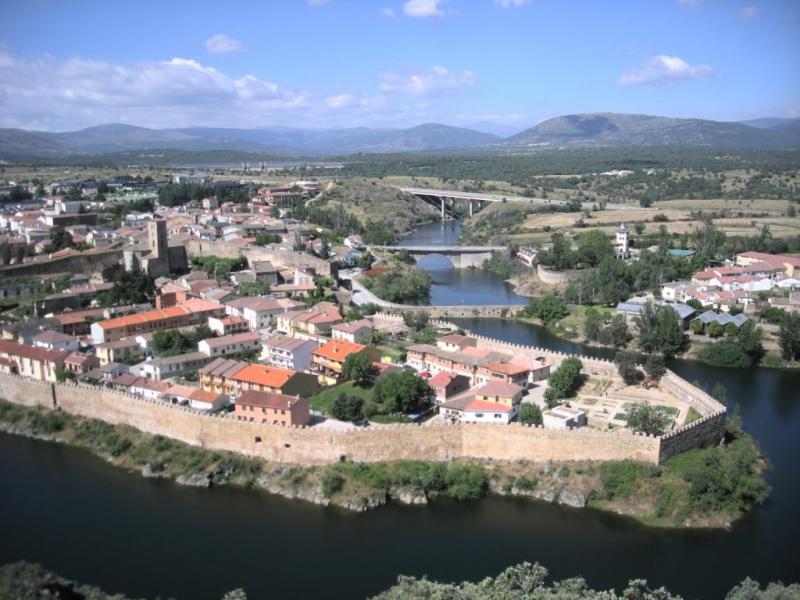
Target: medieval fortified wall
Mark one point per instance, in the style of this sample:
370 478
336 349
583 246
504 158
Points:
373 444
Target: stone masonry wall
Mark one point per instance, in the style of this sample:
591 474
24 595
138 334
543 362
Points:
278 257
318 446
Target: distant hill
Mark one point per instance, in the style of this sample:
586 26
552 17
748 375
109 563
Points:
768 122
580 130
611 129
119 138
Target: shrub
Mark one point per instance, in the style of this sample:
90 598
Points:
530 414
332 482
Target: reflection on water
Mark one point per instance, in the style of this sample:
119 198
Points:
457 286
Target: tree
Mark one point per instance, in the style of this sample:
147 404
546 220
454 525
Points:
741 351
655 366
548 309
564 382
789 336
60 238
593 247
401 392
697 327
130 287
660 330
5 253
638 227
347 408
644 418
254 288
616 333
530 414
715 330
359 369
626 367
593 325
264 239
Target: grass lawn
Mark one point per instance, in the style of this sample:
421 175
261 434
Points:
322 401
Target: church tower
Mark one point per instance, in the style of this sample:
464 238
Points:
623 241
157 238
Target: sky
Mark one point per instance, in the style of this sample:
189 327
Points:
495 65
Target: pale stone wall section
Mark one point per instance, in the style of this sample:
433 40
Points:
556 277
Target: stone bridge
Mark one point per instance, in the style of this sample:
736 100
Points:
462 257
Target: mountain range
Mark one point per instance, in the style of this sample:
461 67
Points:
580 130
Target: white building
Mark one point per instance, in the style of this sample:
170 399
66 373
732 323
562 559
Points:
258 310
55 340
563 417
622 242
248 341
285 352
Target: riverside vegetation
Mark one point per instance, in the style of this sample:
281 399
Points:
525 581
709 487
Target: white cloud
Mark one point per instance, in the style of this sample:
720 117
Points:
339 101
511 3
222 44
663 68
60 94
423 82
426 9
388 12
748 12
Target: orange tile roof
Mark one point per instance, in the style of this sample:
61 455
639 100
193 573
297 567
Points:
263 375
338 350
144 317
482 405
506 368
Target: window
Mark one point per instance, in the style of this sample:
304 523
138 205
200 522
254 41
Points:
478 415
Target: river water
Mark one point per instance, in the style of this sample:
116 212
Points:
457 286
89 521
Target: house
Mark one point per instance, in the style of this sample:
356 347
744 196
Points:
265 272
33 362
217 376
499 392
228 325
478 364
233 377
455 342
354 242
286 352
563 417
172 366
472 410
445 385
329 359
208 401
633 309
314 321
258 311
119 351
54 340
354 331
248 341
193 312
273 409
78 363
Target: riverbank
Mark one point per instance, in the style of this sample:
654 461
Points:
662 496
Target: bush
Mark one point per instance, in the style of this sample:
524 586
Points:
626 366
620 479
347 408
332 482
530 414
564 382
644 418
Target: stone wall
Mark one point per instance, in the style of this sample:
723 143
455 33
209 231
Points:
318 446
88 262
494 311
704 432
556 277
593 366
278 257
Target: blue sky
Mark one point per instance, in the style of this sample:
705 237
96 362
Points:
496 65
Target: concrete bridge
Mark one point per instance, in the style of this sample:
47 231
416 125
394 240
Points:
444 200
462 257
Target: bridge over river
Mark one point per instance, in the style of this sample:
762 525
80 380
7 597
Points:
444 199
462 257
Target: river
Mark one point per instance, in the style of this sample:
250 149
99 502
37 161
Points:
92 522
457 286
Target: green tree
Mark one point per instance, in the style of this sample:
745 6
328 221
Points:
593 325
593 247
644 418
60 238
530 414
347 408
697 327
564 382
616 333
627 368
654 366
789 336
741 351
660 330
548 309
359 369
254 288
265 239
401 392
130 287
715 330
